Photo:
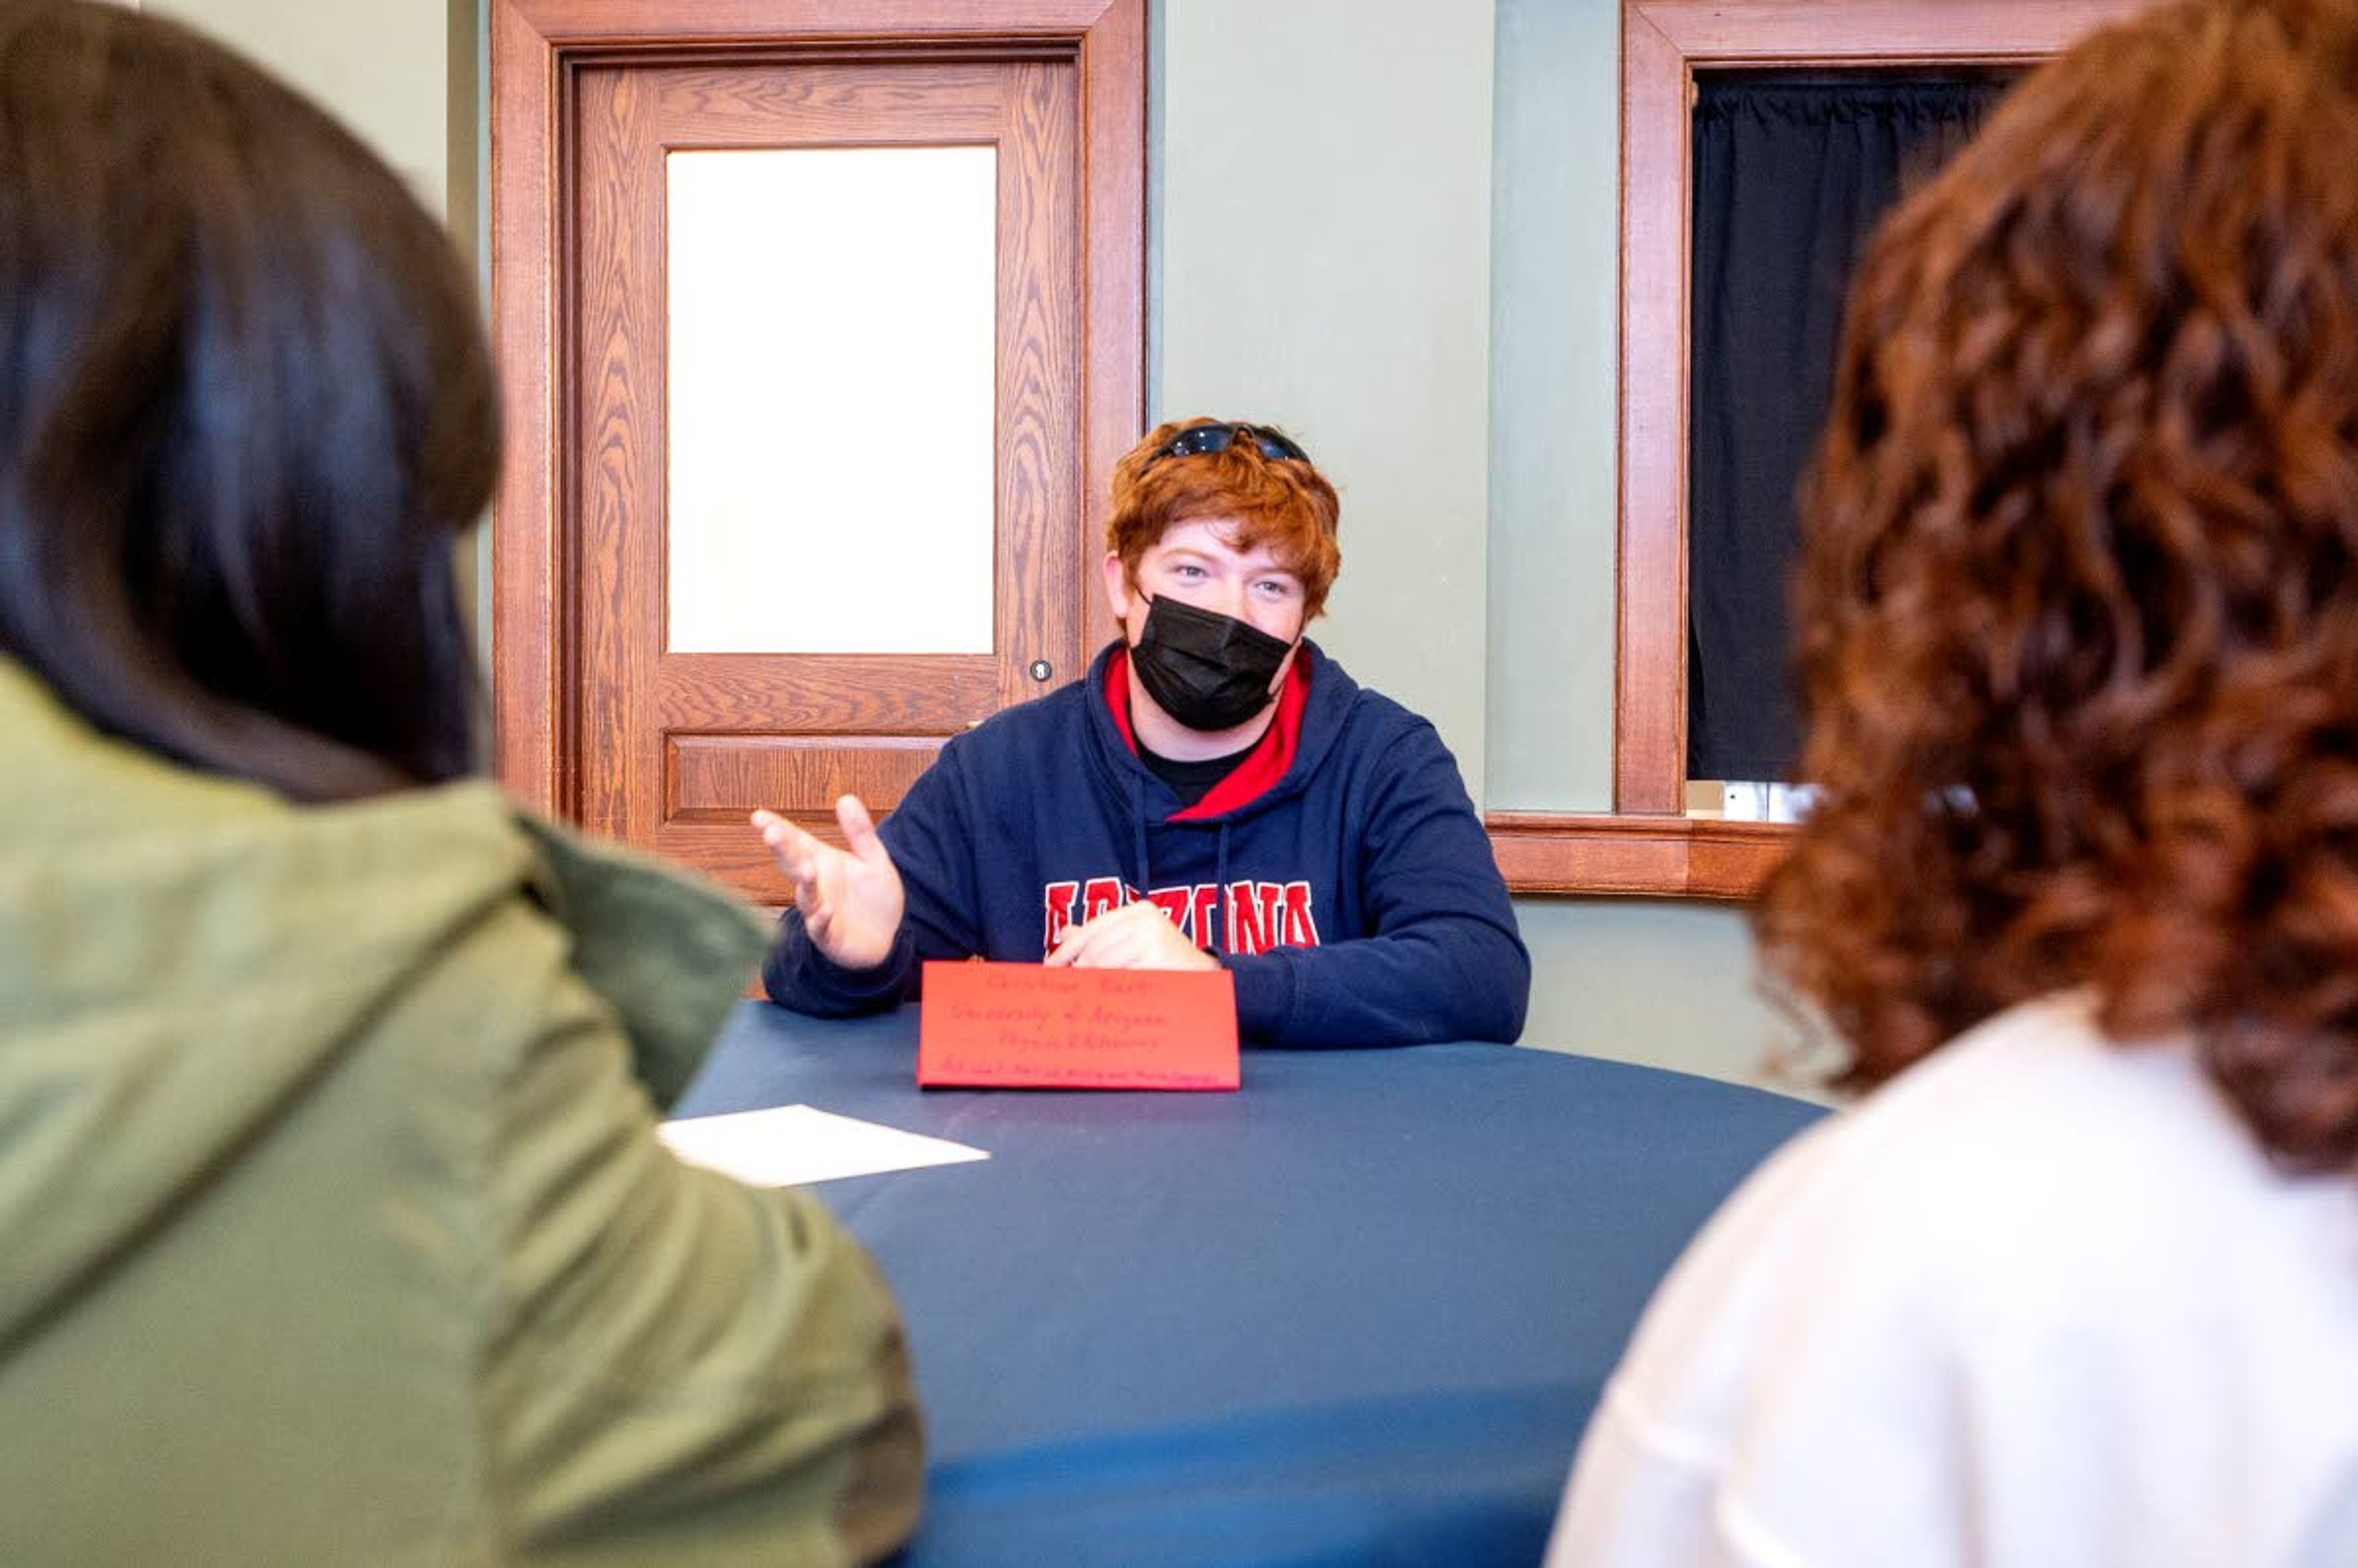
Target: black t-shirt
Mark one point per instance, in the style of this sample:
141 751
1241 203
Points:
1191 781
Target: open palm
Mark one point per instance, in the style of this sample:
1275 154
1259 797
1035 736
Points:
850 898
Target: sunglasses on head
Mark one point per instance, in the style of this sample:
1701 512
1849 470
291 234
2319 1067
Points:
1198 439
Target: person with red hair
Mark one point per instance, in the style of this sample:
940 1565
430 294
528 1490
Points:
1216 793
2078 599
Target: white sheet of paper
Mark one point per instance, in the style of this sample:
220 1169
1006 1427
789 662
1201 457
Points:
794 1145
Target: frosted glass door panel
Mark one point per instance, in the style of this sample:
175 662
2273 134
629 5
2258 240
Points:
832 331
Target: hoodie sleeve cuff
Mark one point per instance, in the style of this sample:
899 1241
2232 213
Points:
797 975
1265 997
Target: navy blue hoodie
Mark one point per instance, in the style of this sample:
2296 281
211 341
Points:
1355 899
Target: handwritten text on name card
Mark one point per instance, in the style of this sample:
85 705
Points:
1028 1026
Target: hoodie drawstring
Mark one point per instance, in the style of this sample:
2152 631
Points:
1220 900
1138 828
1210 941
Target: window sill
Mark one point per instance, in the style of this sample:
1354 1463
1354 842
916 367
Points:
1550 854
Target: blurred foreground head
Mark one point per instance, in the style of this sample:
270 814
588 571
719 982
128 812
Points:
2079 591
246 410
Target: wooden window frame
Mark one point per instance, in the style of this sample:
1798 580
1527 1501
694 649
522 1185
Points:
537 48
1648 846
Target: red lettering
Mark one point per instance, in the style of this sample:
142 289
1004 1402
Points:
1259 916
1248 925
1057 899
1272 913
1301 931
1101 895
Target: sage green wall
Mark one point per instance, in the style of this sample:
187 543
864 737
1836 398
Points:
1667 982
1323 251
1389 226
1555 253
385 69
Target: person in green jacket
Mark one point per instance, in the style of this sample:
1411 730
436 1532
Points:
334 1222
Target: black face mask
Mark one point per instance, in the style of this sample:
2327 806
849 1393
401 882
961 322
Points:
1206 670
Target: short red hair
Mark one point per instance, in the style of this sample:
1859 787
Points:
1283 501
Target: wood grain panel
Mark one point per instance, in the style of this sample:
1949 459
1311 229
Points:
830 105
531 680
733 853
1660 857
722 778
1880 32
1649 710
891 693
619 444
1113 197
1038 609
614 24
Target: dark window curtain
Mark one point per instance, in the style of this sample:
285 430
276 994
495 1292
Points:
1791 174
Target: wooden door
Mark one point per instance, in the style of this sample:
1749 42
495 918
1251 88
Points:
667 741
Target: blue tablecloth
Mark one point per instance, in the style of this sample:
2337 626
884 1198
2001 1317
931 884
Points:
1356 1312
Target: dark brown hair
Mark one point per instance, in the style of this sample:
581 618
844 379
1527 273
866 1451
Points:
1283 502
247 411
2079 591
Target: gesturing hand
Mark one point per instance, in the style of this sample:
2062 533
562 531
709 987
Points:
1135 936
850 898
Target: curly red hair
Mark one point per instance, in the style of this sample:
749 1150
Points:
1285 501
2079 585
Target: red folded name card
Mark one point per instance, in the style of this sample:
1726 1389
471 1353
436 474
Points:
1029 1026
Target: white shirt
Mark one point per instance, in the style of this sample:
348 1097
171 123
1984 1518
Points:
2040 1302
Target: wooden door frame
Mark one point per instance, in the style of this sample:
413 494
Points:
1649 845
536 48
